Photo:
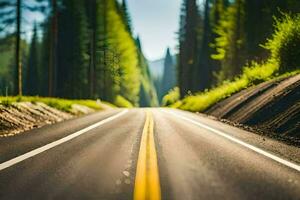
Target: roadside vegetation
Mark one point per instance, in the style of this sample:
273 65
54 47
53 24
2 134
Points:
172 97
284 60
122 102
57 103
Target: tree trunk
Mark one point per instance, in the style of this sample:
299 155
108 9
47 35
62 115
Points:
18 72
92 65
53 49
237 49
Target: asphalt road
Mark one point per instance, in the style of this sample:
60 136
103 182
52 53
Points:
158 153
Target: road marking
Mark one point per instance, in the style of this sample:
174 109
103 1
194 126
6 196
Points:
147 185
39 150
233 139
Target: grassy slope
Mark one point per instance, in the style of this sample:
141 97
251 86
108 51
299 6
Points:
251 76
60 104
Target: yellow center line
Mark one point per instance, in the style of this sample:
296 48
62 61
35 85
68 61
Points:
147 186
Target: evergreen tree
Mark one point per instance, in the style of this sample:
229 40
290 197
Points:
72 51
126 16
204 72
169 75
148 93
113 65
92 10
53 39
217 10
107 71
101 49
126 71
44 59
188 46
230 42
32 81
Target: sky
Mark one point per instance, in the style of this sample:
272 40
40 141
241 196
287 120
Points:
156 22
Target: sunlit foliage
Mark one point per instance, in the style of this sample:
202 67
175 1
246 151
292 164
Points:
122 102
172 97
283 43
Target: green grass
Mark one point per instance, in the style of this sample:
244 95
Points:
58 103
252 76
122 102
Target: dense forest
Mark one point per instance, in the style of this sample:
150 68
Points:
86 49
218 38
83 49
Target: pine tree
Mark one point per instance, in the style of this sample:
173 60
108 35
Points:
148 94
126 16
230 43
116 69
32 81
44 59
169 75
204 72
92 13
52 65
217 10
107 83
126 71
72 51
188 46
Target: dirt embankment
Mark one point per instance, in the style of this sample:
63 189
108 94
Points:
19 117
272 107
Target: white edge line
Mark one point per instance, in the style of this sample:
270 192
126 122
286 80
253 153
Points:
233 139
39 150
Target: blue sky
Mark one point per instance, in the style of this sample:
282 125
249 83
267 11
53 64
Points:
156 22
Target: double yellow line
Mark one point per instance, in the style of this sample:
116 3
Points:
147 185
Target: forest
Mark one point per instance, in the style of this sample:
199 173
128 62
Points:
87 50
218 40
82 50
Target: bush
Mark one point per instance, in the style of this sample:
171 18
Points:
285 43
172 96
122 102
256 73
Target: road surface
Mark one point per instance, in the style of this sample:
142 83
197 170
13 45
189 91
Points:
146 154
